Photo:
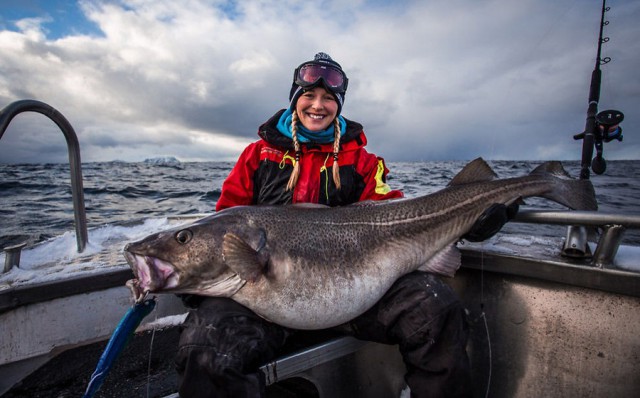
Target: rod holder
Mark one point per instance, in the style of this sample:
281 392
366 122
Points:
12 256
608 246
576 244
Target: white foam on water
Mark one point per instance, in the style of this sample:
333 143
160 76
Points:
58 258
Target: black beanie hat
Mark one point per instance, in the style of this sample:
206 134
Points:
296 91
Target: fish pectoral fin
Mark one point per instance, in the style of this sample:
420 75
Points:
243 259
446 262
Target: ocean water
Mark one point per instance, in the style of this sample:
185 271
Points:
36 199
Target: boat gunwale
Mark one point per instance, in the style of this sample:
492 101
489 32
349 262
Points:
580 275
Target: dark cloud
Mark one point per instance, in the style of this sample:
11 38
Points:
428 80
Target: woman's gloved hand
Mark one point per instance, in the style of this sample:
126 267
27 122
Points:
191 301
491 221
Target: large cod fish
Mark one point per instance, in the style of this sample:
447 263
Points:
314 267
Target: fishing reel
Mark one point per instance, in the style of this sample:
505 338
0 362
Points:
607 129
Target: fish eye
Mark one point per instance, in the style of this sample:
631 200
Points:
184 236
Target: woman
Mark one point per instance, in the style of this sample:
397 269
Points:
309 153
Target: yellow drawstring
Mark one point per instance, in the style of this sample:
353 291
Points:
285 157
326 180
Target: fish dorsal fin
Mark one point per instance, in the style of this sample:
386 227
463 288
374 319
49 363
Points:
241 258
552 167
475 171
445 262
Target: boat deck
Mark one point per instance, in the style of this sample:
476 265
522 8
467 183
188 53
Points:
540 322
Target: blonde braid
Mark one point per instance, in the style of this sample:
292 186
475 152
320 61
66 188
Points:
336 149
293 180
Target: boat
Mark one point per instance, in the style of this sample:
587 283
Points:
550 316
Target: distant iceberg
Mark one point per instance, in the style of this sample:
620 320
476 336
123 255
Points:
169 161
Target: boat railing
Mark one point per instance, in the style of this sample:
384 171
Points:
613 226
7 114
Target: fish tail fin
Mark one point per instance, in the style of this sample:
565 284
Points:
575 194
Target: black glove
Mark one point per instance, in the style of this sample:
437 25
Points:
191 301
491 221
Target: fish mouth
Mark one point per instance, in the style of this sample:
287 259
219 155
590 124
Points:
151 275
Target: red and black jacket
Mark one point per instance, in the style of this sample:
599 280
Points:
261 174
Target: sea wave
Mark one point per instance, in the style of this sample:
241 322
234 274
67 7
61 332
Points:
36 199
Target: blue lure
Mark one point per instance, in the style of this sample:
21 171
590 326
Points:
119 339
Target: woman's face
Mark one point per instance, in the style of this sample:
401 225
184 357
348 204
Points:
316 109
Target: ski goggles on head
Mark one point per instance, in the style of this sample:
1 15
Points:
308 75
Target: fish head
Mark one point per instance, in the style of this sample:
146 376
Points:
182 260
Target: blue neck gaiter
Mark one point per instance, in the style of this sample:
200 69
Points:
305 135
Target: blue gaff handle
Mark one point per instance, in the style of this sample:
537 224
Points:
118 341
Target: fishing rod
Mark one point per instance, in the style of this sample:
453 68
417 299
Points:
600 127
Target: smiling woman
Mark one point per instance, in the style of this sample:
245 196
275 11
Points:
316 108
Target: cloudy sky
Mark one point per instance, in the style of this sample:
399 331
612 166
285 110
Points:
429 80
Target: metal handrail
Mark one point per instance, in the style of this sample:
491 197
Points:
73 146
613 227
586 218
